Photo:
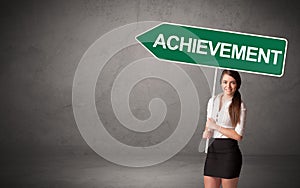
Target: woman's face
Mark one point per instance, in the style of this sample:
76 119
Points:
228 84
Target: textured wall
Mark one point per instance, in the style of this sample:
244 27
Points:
42 43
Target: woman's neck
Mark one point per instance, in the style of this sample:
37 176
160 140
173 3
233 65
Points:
226 97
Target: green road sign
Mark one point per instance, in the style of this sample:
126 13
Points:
216 48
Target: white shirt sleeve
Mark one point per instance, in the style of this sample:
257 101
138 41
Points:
209 108
240 127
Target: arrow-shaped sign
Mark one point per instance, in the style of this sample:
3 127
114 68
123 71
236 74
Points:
216 48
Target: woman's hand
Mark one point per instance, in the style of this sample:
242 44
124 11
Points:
207 134
211 124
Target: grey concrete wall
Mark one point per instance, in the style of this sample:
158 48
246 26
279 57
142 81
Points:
42 43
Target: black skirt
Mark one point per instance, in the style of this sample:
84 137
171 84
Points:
224 159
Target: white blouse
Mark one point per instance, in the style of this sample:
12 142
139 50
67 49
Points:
222 117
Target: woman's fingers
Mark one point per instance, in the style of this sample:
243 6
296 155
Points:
207 134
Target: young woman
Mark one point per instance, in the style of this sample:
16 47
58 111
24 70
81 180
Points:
225 123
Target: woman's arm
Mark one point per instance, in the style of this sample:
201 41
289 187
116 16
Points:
207 133
230 133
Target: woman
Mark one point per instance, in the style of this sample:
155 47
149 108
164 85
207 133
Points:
225 123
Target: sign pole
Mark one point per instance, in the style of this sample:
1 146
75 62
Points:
212 104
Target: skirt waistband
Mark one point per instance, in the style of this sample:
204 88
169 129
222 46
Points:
224 145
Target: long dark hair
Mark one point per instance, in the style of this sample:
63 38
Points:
235 106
